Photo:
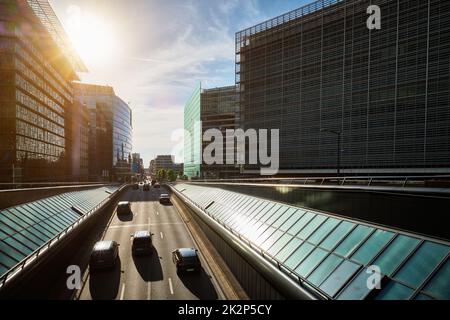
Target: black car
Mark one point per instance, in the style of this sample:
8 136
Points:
124 208
135 186
146 187
164 199
186 260
142 243
104 255
157 186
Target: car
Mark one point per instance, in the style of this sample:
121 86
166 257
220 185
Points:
153 182
157 186
146 187
142 243
164 199
186 260
104 255
135 186
124 208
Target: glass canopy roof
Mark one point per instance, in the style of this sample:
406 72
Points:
27 227
330 254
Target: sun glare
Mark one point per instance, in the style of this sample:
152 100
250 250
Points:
92 37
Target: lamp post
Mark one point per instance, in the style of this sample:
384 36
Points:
338 133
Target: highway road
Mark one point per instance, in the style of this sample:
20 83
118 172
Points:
154 277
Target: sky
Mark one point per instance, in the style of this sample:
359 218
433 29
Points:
155 52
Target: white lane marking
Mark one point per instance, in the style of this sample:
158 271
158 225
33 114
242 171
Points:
122 293
157 213
170 286
149 291
162 235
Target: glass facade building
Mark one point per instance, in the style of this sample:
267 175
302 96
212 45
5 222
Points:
219 111
110 131
35 94
193 135
386 92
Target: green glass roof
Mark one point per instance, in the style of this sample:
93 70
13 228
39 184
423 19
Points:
26 228
330 253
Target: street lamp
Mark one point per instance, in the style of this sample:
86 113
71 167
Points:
338 133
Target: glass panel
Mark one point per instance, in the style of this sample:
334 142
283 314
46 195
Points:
298 256
263 237
339 277
18 246
422 263
7 261
26 241
372 246
10 251
323 231
269 214
276 215
422 297
12 221
357 289
325 269
308 216
264 211
277 246
395 253
288 249
395 291
311 227
6 229
337 235
3 269
284 217
271 240
311 262
439 286
290 222
353 240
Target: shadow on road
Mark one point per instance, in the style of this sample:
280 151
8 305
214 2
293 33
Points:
199 284
149 267
104 285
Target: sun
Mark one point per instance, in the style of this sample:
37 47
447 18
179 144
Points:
92 36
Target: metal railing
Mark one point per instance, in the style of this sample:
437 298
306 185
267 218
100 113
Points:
368 181
33 256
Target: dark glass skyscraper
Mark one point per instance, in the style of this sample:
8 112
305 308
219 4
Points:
110 131
318 74
37 66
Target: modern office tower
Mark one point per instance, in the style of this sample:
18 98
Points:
193 135
37 65
110 132
209 109
219 110
320 75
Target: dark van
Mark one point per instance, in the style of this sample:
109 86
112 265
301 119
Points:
104 255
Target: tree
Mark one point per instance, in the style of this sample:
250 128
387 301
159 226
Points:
172 175
161 175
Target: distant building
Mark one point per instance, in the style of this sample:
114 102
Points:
207 109
110 135
137 164
37 65
79 141
166 162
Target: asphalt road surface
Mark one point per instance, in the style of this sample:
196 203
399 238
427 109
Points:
153 277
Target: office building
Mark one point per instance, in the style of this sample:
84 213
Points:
208 109
319 75
78 135
165 162
110 132
219 110
37 65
